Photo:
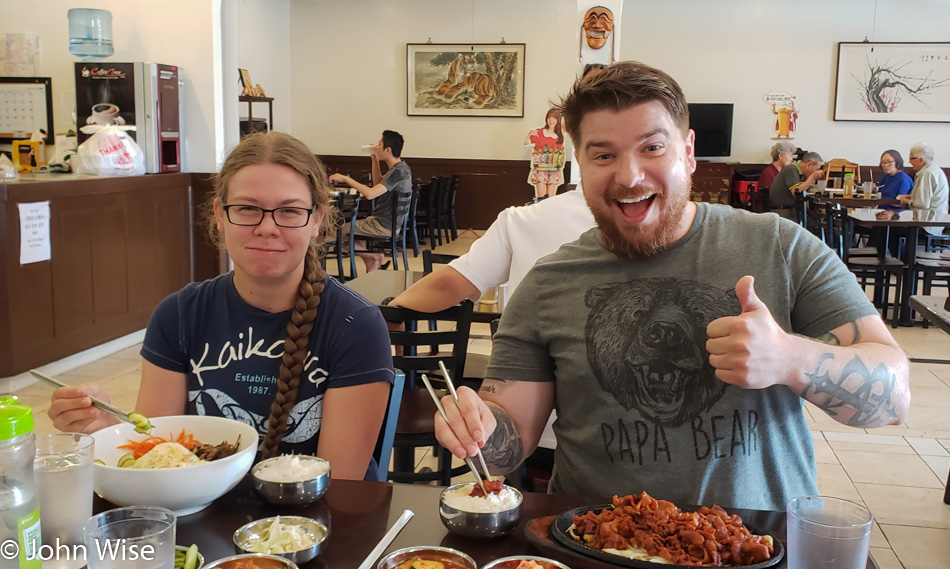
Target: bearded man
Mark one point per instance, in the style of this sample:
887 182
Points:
677 340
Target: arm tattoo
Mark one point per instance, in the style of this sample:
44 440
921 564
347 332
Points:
504 448
834 340
870 399
487 388
829 338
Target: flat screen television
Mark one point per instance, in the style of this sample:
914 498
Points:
712 123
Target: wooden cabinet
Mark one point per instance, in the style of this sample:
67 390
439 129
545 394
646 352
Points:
712 182
119 246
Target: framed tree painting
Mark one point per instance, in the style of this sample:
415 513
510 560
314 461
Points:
473 80
893 82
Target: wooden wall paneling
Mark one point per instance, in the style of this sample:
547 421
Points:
71 296
110 267
207 257
106 274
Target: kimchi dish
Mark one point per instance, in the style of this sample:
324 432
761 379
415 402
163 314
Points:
643 528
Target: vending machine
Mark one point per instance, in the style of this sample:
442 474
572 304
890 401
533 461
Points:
146 95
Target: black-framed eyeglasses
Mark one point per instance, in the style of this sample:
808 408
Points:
250 215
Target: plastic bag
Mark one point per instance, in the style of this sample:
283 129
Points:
8 171
110 152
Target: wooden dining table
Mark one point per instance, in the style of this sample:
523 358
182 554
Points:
376 286
936 310
905 222
359 513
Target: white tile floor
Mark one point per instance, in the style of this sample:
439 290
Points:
898 472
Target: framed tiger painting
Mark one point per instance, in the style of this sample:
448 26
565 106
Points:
465 80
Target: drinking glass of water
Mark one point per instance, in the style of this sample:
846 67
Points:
134 537
63 470
828 533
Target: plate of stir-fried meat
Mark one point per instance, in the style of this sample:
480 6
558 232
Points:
640 531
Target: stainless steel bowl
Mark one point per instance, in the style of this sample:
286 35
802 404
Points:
226 562
429 553
478 524
514 561
291 493
254 530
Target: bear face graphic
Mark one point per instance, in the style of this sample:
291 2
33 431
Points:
646 344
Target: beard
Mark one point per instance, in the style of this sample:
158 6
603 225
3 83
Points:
636 243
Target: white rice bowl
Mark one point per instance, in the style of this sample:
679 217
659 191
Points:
185 489
460 499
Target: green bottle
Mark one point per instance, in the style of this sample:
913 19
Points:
19 504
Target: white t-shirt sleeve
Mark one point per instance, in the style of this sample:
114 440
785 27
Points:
488 261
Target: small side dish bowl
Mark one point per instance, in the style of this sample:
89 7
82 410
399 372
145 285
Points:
183 550
492 516
247 536
534 561
291 480
257 560
404 558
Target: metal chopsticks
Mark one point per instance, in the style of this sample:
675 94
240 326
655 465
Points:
455 396
114 411
468 461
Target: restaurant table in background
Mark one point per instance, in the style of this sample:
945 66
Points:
911 228
936 310
359 513
377 286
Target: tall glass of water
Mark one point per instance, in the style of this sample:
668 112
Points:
134 537
63 469
828 533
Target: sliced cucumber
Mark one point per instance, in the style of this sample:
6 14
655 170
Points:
125 461
141 422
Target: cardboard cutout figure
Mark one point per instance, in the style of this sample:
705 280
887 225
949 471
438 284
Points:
547 156
785 109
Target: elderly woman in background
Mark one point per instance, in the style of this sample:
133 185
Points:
783 152
895 182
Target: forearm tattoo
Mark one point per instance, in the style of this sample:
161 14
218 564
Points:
865 392
504 449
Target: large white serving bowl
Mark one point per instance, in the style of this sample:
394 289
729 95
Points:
184 490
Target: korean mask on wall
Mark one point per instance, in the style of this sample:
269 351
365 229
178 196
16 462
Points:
598 24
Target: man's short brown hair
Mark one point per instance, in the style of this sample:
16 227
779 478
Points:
618 87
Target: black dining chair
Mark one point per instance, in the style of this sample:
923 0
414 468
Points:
427 212
348 205
415 427
396 240
475 362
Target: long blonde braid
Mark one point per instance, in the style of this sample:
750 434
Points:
295 351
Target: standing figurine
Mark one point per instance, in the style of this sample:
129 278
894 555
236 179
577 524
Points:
547 157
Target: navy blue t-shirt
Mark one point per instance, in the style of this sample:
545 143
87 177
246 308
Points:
230 352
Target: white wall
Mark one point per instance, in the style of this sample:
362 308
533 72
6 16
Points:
348 75
179 32
348 67
263 48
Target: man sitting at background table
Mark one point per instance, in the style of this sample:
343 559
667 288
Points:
398 180
928 199
670 371
794 179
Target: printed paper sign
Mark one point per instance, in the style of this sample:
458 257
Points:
34 232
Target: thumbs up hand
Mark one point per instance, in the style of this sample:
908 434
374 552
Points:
749 350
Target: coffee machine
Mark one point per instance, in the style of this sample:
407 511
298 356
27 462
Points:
146 95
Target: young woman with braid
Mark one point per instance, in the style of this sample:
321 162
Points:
275 343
